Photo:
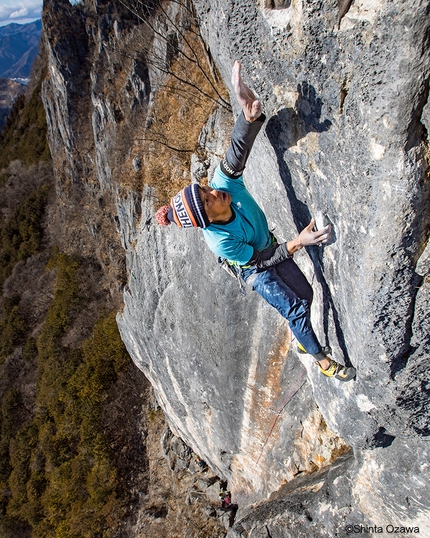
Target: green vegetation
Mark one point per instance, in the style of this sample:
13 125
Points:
21 234
12 326
23 138
24 135
57 473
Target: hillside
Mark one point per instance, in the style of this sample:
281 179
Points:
80 431
346 136
19 46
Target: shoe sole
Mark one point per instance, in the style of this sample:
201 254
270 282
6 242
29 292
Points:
349 374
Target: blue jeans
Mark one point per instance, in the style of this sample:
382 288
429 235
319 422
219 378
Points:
285 287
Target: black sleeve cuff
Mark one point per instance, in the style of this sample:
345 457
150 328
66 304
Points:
270 256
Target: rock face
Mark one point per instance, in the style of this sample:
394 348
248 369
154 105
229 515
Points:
345 88
9 91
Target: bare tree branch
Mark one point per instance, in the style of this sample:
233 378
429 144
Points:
165 144
194 59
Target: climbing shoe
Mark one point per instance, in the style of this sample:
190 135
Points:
300 348
338 371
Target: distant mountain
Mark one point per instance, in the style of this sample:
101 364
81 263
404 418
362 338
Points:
19 45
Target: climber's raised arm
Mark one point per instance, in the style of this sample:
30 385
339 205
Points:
245 129
251 106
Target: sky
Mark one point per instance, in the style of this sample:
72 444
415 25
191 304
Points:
19 11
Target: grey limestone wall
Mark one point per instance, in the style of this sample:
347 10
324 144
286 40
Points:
346 139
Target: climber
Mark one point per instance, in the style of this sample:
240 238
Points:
236 230
226 503
201 463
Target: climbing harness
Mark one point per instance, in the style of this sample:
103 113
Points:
234 271
292 393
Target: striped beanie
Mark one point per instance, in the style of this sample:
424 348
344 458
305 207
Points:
186 210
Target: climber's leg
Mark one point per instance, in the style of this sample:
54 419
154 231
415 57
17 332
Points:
298 315
277 293
293 277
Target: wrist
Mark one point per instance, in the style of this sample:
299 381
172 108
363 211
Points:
293 246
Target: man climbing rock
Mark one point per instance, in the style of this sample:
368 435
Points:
236 230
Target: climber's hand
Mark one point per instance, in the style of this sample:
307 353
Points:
308 237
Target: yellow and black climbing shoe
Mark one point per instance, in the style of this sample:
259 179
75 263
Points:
339 371
300 348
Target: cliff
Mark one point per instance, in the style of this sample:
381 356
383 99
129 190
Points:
345 89
10 90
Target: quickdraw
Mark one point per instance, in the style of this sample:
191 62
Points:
235 272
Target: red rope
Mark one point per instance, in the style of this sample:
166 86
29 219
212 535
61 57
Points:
289 396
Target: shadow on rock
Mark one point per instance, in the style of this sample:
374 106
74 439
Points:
382 439
292 124
284 130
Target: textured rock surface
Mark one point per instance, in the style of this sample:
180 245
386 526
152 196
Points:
346 96
344 138
9 91
371 492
